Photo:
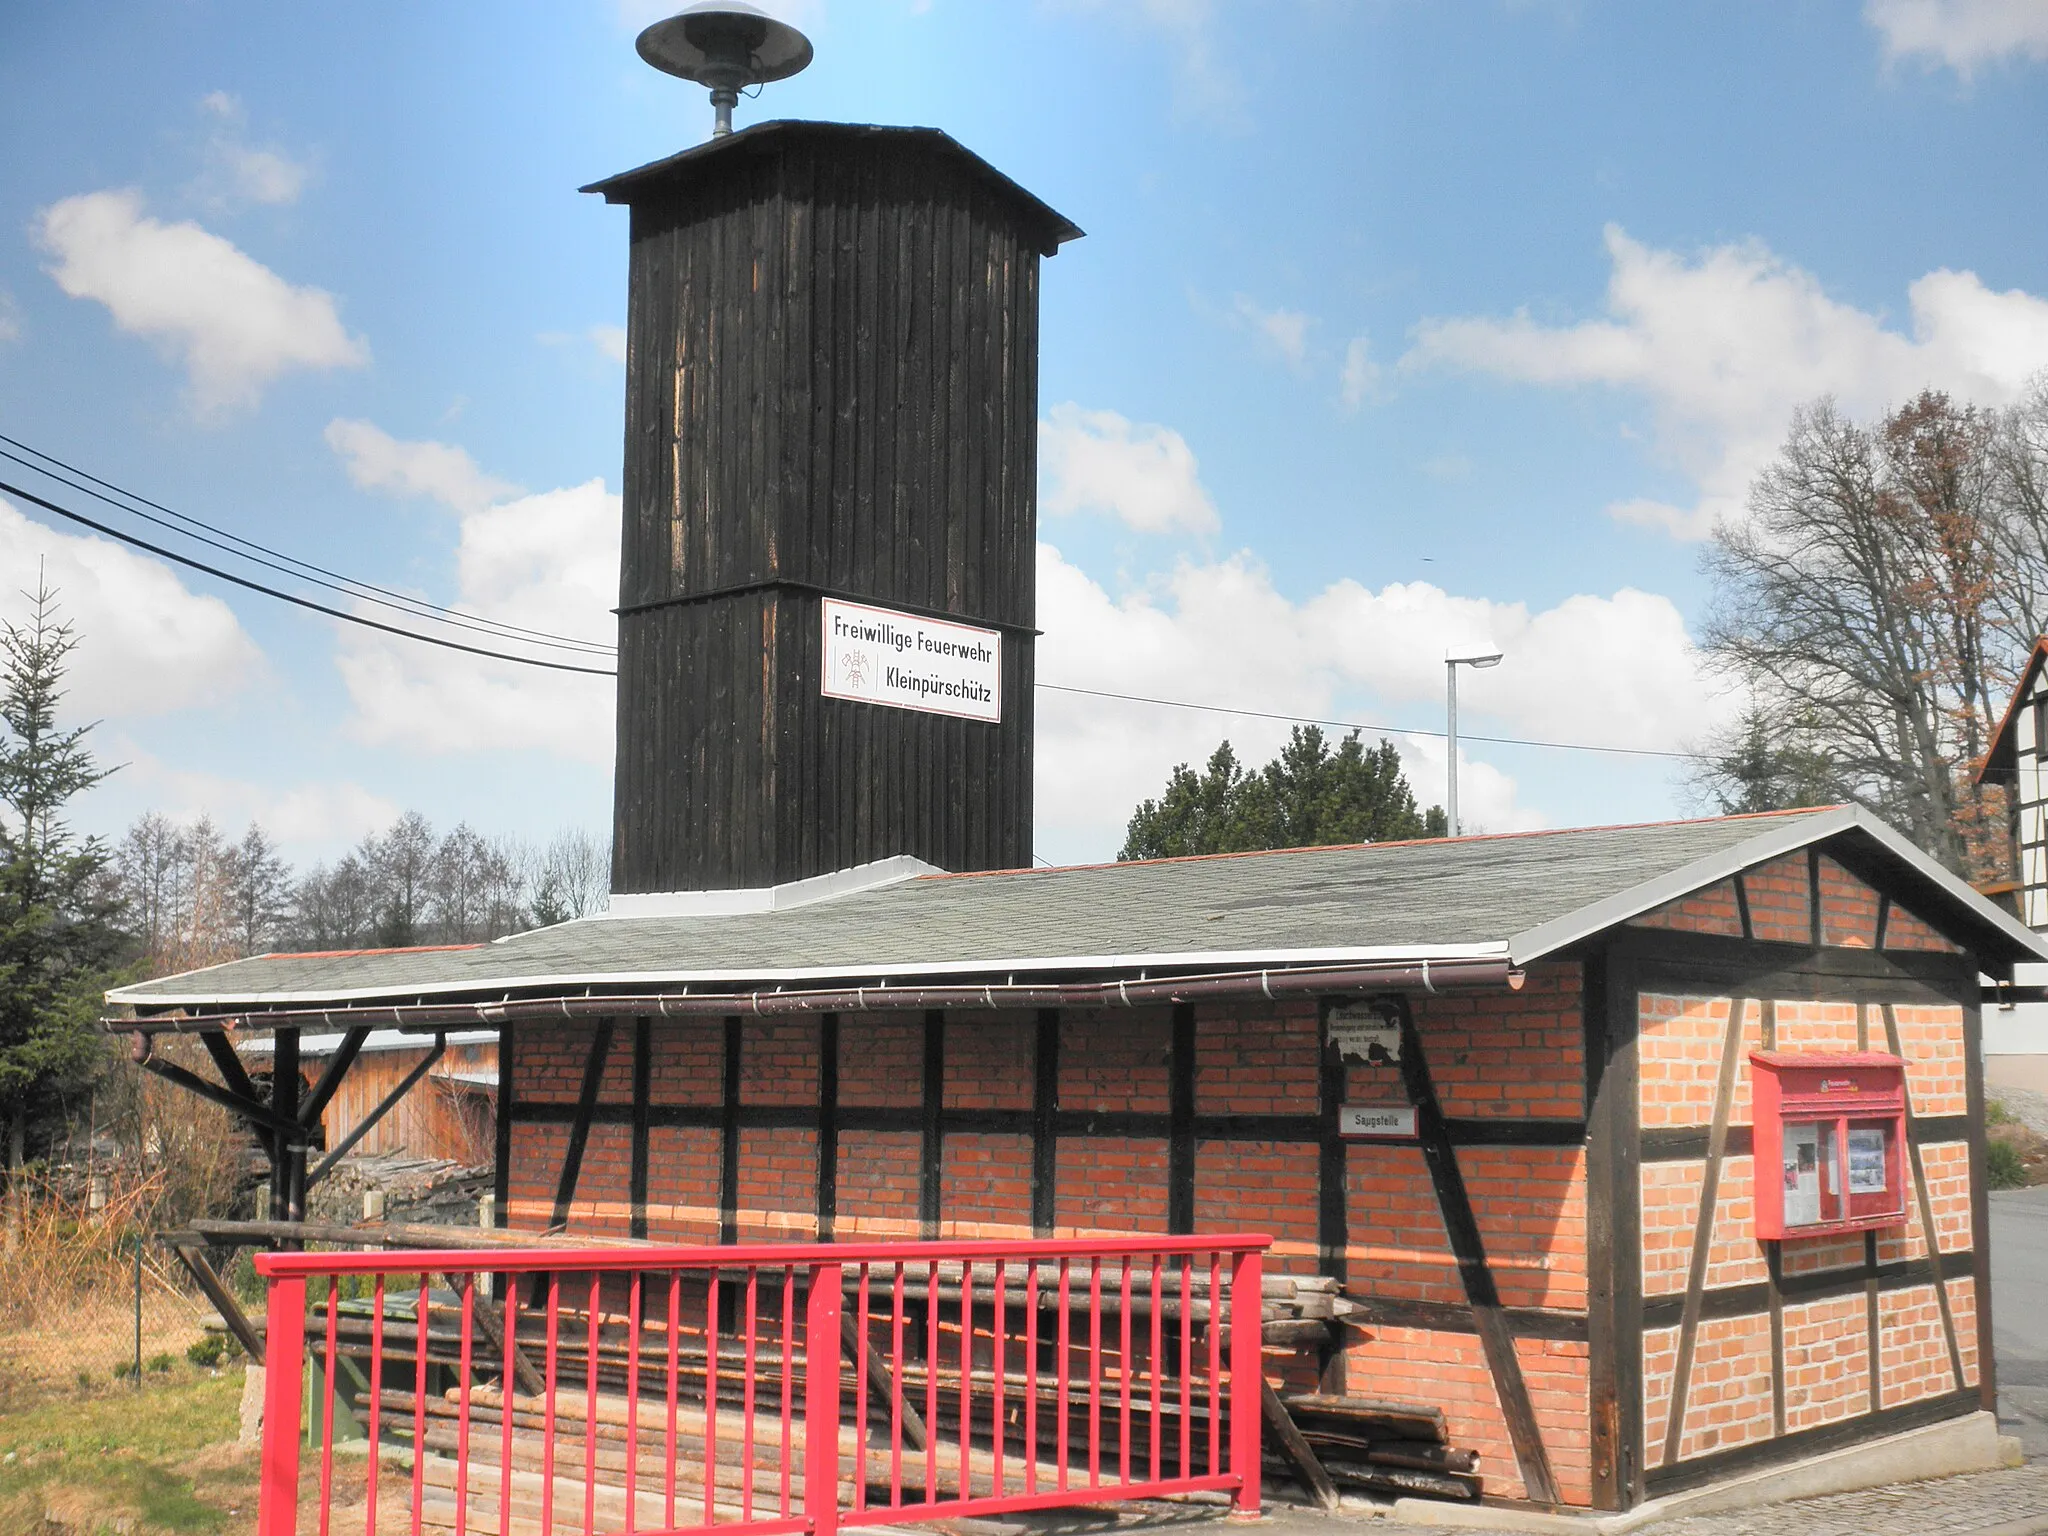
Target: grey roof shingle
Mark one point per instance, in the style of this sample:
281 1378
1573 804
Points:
1518 895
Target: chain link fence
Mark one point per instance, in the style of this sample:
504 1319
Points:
90 1302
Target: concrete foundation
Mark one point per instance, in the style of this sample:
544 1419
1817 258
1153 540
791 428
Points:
1967 1444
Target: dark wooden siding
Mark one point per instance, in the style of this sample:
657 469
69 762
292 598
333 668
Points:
832 390
743 774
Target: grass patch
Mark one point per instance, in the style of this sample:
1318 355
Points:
147 1461
2004 1168
1995 1113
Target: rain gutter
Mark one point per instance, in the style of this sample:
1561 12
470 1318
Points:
1425 975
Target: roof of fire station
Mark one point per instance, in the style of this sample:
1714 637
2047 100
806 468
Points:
1517 897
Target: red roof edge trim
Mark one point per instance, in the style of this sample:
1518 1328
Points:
1408 842
350 954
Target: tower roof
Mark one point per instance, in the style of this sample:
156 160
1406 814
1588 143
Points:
716 159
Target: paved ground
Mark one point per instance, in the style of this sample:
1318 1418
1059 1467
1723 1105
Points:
2019 1313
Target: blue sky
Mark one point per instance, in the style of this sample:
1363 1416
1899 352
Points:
1398 327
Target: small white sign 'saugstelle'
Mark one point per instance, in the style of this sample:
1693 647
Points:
1395 1120
879 656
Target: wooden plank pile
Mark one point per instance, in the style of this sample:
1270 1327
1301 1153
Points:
1384 1447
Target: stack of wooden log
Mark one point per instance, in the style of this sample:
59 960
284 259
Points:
1384 1447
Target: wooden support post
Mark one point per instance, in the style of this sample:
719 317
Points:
931 1144
1180 1136
193 1257
729 1138
882 1382
643 1068
288 1165
330 1080
1045 1113
828 1126
501 1182
486 1318
1295 1449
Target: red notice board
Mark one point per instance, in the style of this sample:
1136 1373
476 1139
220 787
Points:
1830 1140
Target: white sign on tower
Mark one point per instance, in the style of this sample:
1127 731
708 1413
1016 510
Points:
879 656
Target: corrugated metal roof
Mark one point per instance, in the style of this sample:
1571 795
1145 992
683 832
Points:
1520 896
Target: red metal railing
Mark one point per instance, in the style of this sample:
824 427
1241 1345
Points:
664 1390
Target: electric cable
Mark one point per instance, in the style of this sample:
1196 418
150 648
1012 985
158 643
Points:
305 570
1356 725
293 598
595 647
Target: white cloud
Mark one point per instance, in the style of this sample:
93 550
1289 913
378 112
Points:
376 461
234 323
147 644
547 562
1612 671
1140 473
1961 33
1725 346
238 172
609 340
1359 380
1285 330
309 820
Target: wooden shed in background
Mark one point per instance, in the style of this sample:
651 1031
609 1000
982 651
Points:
449 1114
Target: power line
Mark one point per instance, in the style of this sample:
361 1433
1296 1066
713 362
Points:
293 598
292 565
558 666
1355 725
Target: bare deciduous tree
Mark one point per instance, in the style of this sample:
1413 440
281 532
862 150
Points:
1875 605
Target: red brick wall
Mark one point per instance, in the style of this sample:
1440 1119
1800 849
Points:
1902 930
1712 910
985 1186
878 1184
1257 1059
778 1186
881 1062
682 1183
779 1061
990 1064
1506 1054
1501 1056
1826 1351
1111 1184
1848 908
1261 1186
1115 1059
685 1062
534 1171
547 1062
1780 902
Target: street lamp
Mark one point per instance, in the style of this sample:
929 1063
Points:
1451 665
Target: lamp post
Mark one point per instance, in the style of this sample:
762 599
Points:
1451 665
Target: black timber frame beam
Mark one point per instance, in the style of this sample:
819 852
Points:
1461 1226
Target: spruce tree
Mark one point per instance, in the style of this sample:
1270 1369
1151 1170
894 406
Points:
59 932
